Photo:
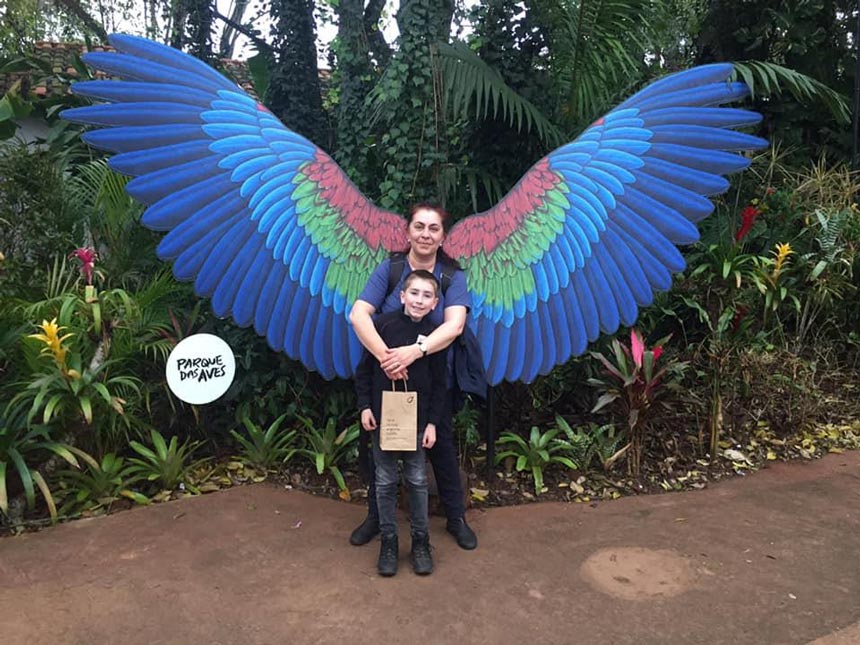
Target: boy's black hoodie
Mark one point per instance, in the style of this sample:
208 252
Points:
427 375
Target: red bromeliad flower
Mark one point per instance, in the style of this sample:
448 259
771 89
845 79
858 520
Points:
748 215
87 256
740 314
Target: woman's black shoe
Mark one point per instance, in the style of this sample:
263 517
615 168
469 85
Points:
465 536
365 531
388 552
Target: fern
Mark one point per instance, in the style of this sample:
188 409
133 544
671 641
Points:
768 79
469 82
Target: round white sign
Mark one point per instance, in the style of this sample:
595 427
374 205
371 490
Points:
200 368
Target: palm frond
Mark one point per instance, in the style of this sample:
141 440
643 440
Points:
469 83
597 51
769 79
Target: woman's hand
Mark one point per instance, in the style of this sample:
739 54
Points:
368 421
429 436
398 359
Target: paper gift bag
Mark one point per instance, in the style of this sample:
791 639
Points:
398 427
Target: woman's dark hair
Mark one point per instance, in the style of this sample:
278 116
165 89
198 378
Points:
428 206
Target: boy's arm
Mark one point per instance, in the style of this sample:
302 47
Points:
364 382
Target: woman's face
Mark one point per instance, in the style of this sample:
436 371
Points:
425 232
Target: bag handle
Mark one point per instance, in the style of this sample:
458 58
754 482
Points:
394 387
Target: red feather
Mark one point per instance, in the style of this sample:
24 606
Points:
377 227
485 231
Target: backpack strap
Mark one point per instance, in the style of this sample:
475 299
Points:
398 266
395 271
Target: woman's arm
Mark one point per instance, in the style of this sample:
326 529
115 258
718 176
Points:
362 322
440 339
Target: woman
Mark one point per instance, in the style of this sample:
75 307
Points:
424 234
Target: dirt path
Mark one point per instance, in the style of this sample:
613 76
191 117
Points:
772 558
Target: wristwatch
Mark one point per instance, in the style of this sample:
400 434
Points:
422 346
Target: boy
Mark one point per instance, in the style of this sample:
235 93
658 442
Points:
427 376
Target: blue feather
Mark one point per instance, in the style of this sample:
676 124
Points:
142 162
711 117
607 309
143 114
288 240
300 251
561 326
576 325
172 58
680 80
713 161
588 307
691 205
272 191
706 138
131 92
251 166
168 213
628 265
251 289
238 143
131 68
697 181
268 297
234 159
272 222
144 137
230 117
219 259
227 291
194 225
188 264
166 182
624 299
670 223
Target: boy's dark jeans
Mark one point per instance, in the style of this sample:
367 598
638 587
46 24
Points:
446 467
415 473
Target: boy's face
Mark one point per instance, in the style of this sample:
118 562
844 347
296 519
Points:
419 298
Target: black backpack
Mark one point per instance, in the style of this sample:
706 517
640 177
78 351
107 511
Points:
469 373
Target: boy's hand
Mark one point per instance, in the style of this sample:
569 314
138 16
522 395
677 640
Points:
368 421
429 436
398 359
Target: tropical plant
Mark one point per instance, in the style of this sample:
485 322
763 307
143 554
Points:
100 484
635 387
23 449
265 448
69 386
590 441
168 465
534 455
327 449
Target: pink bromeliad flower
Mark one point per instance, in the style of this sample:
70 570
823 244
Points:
637 348
87 256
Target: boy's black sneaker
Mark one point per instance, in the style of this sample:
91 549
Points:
422 561
365 531
464 535
388 552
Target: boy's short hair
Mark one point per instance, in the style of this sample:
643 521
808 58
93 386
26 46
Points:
422 274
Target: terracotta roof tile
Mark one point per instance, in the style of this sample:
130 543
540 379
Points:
60 58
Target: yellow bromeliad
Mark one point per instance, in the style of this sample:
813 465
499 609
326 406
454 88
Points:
54 345
782 252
